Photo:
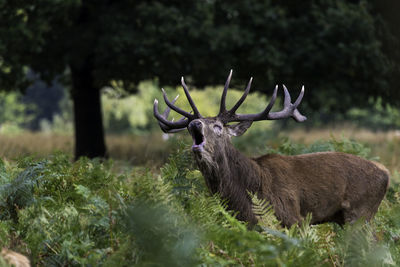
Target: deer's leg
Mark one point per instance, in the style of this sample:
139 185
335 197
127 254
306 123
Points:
354 211
288 212
244 208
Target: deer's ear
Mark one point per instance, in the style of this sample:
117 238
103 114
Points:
239 128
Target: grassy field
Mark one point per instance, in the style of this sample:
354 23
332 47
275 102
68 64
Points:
135 150
153 150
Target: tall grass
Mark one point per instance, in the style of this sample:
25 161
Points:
153 150
150 150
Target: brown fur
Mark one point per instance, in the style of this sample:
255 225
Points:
334 187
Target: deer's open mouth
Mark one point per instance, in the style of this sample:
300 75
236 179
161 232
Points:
196 130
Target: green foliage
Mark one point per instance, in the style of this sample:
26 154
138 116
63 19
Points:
4 263
62 122
356 246
131 113
19 193
62 209
265 213
159 235
337 46
89 213
13 113
378 116
135 113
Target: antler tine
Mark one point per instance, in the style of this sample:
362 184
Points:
241 100
167 129
222 108
168 109
297 116
164 127
172 106
289 109
271 102
299 98
189 98
288 99
259 116
171 126
164 122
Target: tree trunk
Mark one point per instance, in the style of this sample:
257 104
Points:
88 121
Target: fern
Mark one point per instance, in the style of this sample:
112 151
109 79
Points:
20 192
356 246
87 213
264 213
179 173
158 236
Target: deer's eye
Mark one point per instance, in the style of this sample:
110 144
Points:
218 129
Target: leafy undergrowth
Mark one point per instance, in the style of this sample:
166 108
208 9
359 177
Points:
84 213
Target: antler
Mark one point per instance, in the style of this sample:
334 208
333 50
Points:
171 126
222 108
226 116
164 127
289 109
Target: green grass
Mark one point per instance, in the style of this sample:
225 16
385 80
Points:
92 213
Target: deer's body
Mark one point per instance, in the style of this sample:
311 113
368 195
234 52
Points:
332 186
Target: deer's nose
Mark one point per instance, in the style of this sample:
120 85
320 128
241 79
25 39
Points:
195 124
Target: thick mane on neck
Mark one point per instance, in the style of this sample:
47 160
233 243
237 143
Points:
232 175
229 172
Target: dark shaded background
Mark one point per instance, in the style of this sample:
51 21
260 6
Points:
344 52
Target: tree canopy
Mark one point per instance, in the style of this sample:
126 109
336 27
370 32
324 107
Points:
335 48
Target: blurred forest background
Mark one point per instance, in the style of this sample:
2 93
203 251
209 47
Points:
77 68
80 77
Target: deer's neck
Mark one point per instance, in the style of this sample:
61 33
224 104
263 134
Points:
229 172
232 175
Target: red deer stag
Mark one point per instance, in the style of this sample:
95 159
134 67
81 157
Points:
334 187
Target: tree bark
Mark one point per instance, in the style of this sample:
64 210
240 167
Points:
88 120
